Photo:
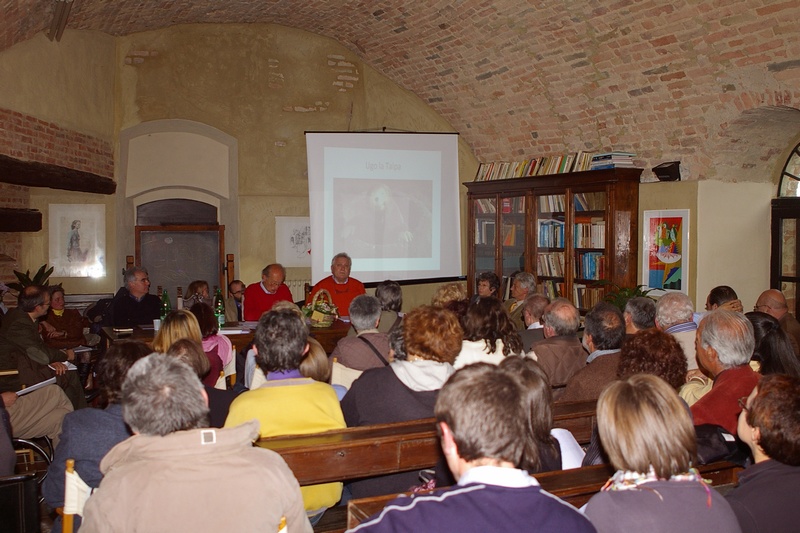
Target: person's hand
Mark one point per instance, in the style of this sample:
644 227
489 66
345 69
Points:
733 305
59 368
70 354
48 329
9 398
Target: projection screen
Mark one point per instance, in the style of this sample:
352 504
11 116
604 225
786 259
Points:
389 200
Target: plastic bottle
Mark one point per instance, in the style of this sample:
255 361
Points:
179 299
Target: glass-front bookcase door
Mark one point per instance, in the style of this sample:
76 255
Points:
486 241
551 217
589 245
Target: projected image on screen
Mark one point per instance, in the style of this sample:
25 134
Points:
383 218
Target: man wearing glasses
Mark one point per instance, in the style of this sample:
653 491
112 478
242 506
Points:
133 305
233 303
260 297
773 302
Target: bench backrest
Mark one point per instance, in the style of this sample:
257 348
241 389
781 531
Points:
352 453
575 486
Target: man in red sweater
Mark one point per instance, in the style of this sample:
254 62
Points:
342 287
260 297
724 343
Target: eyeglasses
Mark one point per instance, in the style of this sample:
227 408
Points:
237 292
757 307
143 280
743 403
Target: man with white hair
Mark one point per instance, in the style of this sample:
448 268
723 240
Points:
523 285
725 343
370 348
674 313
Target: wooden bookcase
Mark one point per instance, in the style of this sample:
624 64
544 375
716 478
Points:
570 230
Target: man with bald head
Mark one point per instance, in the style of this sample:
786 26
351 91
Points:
560 354
260 297
773 302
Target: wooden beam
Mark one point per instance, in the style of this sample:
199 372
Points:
17 220
34 174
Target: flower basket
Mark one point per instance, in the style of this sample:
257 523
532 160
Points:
321 312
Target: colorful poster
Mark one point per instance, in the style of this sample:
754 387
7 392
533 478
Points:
666 250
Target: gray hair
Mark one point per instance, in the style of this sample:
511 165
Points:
562 316
535 304
642 311
162 395
730 334
390 295
130 274
673 308
526 280
364 312
342 254
397 343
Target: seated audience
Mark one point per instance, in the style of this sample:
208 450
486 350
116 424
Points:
87 435
492 494
176 474
233 303
489 335
560 353
370 349
532 311
36 361
390 295
648 434
317 366
524 284
197 292
219 401
447 293
724 345
602 337
648 352
182 324
214 342
339 284
773 352
549 448
63 328
133 305
488 284
639 314
289 403
773 302
260 297
407 388
674 315
766 498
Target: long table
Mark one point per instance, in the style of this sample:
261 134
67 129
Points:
327 337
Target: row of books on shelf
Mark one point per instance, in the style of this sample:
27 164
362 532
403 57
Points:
551 233
590 265
512 236
586 297
515 204
484 231
550 264
589 201
557 164
485 205
552 203
590 233
552 288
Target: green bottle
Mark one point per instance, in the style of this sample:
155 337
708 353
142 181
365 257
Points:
166 307
219 307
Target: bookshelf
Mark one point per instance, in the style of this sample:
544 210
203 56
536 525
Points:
571 230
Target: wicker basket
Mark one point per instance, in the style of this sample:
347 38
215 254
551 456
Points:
321 312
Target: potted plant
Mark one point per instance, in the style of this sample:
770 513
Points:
40 278
619 296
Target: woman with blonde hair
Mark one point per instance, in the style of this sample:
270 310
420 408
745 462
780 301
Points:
648 435
182 324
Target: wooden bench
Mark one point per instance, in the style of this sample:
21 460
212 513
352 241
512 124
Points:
354 453
573 486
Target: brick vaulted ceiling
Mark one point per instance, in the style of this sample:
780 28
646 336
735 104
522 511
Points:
509 74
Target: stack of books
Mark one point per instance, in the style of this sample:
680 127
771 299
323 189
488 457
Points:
612 160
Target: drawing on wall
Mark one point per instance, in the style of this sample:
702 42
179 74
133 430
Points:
293 241
665 261
77 240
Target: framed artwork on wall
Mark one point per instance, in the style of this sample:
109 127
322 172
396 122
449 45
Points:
77 240
293 241
665 250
